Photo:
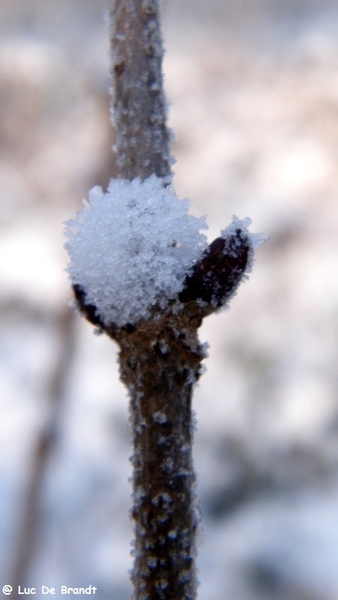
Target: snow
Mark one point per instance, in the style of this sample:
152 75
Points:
131 248
159 417
151 561
256 239
172 534
235 234
162 497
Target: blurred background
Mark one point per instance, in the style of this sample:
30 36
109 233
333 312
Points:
253 90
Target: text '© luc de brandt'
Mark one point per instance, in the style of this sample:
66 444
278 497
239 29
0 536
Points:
63 589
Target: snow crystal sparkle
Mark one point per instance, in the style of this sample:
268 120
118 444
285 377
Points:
131 248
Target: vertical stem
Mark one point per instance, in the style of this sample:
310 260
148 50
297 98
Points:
159 370
159 359
138 107
163 495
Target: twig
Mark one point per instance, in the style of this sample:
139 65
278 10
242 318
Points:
138 107
28 522
160 355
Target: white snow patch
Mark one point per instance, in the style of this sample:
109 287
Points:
256 239
159 417
131 248
172 534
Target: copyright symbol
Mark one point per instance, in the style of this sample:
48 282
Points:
7 590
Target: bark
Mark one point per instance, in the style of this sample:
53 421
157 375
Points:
159 359
142 139
160 362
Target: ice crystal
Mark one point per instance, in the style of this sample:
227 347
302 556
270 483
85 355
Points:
242 225
152 561
159 417
130 249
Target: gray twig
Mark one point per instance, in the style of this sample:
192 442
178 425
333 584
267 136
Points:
139 106
160 356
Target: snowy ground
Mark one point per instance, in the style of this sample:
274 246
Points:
254 92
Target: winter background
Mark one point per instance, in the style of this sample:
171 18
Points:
253 86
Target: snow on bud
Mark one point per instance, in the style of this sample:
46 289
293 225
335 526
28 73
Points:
131 248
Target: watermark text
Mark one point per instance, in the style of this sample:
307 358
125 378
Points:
45 590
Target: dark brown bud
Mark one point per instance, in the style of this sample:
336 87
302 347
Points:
88 310
215 278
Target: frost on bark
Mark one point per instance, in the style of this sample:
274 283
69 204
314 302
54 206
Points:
143 273
139 105
160 362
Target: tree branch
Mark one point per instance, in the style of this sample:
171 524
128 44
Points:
138 108
160 362
160 355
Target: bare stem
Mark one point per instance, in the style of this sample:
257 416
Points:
138 107
159 364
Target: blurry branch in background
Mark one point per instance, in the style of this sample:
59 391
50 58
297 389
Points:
28 524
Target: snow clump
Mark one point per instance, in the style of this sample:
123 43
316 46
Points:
132 247
255 239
